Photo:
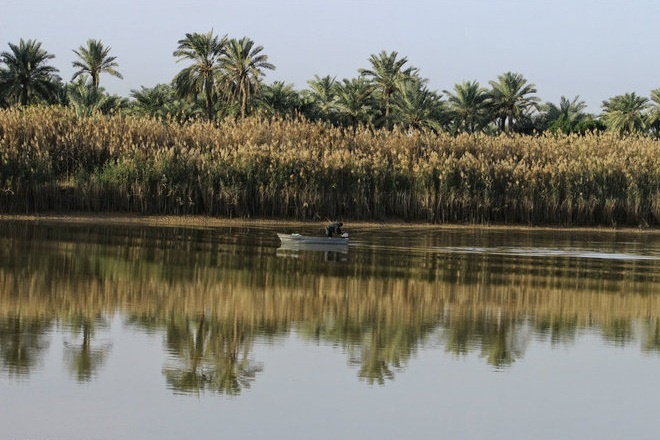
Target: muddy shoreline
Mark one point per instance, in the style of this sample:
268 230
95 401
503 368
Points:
205 221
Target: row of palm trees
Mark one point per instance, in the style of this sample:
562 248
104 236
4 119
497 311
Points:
220 68
224 77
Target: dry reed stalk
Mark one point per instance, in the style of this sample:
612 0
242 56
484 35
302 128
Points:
52 159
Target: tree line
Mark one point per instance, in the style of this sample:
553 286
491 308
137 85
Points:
224 77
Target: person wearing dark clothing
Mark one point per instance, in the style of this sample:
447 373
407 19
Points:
333 228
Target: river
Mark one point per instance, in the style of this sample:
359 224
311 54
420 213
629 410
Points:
132 331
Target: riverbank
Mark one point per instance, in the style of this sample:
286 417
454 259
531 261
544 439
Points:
193 221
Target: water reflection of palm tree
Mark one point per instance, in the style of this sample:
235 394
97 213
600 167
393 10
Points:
22 342
460 336
505 340
83 359
209 355
387 346
618 331
560 329
652 339
373 366
496 348
502 339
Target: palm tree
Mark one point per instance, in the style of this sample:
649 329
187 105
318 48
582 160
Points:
153 101
243 65
161 102
418 107
468 106
25 75
279 99
87 99
201 77
93 61
322 93
354 101
511 99
625 113
387 75
654 112
567 116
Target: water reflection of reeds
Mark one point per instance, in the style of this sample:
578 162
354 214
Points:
212 301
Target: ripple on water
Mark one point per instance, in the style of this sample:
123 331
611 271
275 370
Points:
546 252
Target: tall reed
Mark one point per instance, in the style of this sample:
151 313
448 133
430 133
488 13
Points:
53 160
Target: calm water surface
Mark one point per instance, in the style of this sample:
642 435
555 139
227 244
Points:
136 332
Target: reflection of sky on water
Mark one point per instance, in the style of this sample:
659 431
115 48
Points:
306 387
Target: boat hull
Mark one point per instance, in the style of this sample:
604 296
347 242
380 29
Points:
311 240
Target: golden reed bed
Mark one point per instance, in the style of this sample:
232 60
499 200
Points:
298 170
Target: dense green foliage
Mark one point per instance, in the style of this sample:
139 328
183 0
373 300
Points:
25 75
224 76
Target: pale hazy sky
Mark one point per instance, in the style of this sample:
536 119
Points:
593 48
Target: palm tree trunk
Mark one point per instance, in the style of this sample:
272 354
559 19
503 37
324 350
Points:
209 104
24 95
387 111
243 100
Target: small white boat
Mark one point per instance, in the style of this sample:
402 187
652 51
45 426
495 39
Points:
288 239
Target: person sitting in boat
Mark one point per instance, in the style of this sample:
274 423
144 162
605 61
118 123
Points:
333 228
